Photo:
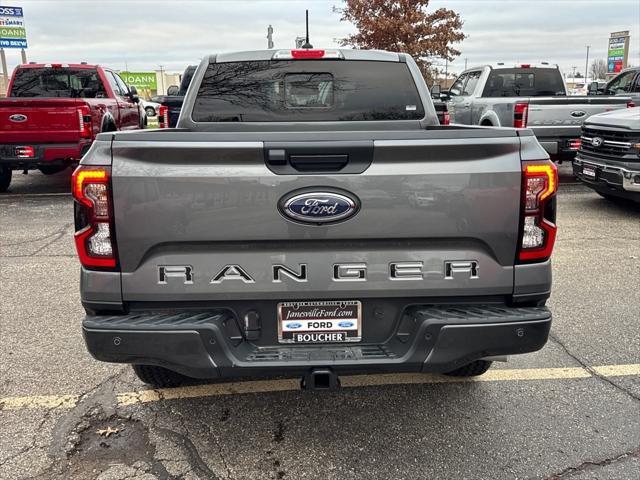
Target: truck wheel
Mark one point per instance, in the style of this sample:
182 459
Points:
159 377
151 112
471 370
5 178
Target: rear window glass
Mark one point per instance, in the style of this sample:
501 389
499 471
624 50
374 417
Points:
57 82
524 82
311 91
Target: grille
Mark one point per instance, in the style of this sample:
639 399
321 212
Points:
614 143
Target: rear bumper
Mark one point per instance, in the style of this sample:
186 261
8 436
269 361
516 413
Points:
45 154
557 140
611 179
212 345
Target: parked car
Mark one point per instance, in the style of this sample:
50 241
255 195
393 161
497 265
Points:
578 89
310 216
53 113
150 108
170 105
526 95
609 157
626 83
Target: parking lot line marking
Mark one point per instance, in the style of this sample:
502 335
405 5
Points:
618 370
349 381
39 401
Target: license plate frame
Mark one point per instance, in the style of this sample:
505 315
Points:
305 313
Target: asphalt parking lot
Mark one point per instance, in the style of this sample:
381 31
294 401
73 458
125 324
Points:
571 410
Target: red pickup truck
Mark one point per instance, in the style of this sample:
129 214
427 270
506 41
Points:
53 112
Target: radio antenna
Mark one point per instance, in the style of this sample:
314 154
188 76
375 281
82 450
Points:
306 40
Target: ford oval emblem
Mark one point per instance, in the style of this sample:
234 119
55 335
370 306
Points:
345 324
578 113
293 325
18 117
319 207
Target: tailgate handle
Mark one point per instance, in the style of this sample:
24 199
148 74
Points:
319 163
336 157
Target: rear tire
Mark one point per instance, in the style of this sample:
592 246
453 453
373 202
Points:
160 377
5 178
151 112
473 369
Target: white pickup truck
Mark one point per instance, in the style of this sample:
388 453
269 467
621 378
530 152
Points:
526 95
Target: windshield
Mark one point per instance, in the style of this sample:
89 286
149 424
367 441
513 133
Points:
524 82
289 91
57 82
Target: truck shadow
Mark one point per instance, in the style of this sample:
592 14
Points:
37 183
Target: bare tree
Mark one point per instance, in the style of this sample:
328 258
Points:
598 70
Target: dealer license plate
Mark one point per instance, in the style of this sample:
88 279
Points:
589 172
320 322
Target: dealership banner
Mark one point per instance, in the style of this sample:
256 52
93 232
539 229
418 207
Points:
140 80
12 31
618 51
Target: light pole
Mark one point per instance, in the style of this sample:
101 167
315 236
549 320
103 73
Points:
161 79
586 67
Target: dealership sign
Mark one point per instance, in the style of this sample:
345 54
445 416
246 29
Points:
12 31
618 51
140 80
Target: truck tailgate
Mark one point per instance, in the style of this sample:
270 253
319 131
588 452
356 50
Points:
49 120
569 111
207 204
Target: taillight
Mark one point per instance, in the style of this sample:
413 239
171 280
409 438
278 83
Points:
630 104
298 54
538 228
163 116
446 118
307 54
25 152
94 237
84 120
573 144
520 114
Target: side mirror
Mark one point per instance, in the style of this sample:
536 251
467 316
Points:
173 90
435 91
593 88
133 94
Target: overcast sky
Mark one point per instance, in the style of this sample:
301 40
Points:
143 34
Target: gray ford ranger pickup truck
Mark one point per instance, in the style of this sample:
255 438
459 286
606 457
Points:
609 157
534 96
310 217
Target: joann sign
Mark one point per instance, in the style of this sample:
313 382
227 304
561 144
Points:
12 31
140 80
